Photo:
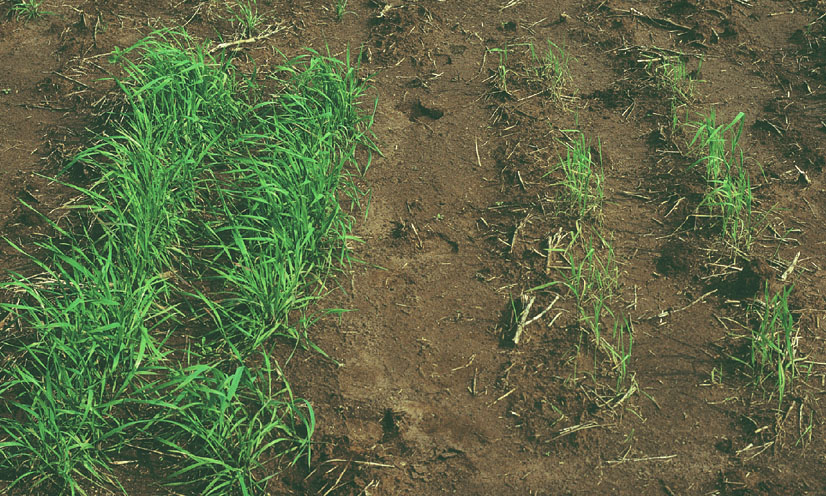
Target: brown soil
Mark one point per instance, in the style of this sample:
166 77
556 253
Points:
428 398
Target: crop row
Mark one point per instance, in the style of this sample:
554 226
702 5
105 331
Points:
207 231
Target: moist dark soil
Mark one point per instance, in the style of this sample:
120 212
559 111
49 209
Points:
423 394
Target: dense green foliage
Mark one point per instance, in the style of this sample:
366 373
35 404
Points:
210 228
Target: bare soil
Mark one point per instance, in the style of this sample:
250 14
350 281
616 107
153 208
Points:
424 396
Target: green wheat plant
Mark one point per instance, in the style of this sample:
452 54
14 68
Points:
671 75
719 145
212 218
153 175
245 14
583 178
731 198
500 77
728 196
590 275
94 356
592 278
773 341
223 425
590 271
620 352
550 68
340 9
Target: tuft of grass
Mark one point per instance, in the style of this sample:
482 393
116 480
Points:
729 195
672 76
28 10
97 344
153 175
223 425
340 9
583 178
550 68
774 342
245 14
619 351
591 277
720 144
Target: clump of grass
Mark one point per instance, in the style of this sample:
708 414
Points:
93 354
245 14
583 178
672 76
774 342
28 9
550 68
214 218
591 276
620 352
721 145
340 9
281 203
223 425
729 196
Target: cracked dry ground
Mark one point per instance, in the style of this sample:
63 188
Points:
428 397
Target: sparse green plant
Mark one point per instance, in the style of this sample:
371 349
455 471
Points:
550 68
731 197
672 76
717 375
621 349
774 342
720 145
245 14
341 9
591 271
501 76
729 194
592 278
583 178
596 273
805 437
